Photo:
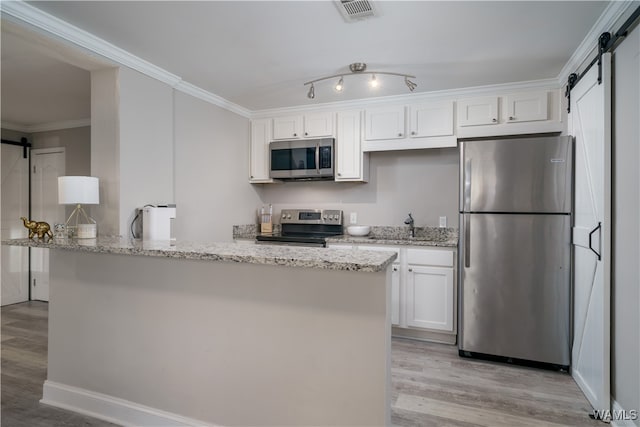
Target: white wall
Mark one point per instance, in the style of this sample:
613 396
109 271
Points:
105 148
211 171
625 356
423 182
146 144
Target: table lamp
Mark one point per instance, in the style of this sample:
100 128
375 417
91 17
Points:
79 190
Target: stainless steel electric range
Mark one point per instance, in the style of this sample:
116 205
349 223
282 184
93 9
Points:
305 227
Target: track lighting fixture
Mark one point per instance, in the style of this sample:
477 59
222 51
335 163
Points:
360 68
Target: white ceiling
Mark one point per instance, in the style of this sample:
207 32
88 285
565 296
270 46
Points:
259 54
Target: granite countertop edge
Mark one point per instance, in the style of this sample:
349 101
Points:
364 240
319 258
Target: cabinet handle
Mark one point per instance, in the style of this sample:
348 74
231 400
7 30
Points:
413 133
411 269
339 174
251 176
511 118
395 268
399 134
306 134
494 120
295 134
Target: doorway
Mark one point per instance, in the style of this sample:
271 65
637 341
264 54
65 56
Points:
47 164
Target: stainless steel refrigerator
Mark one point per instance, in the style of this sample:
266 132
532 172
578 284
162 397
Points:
515 249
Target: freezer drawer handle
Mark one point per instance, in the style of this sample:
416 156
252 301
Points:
590 235
467 241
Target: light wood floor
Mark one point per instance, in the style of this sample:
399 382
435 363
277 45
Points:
432 386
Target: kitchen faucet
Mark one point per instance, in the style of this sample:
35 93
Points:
409 222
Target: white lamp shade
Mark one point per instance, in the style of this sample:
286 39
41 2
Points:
73 190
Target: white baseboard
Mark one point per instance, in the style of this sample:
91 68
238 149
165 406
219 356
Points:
111 409
616 408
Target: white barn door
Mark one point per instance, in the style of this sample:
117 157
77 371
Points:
14 204
590 124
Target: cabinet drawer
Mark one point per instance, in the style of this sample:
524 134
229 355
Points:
430 257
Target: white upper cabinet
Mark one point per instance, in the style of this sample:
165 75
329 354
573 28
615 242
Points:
433 119
526 107
351 163
535 111
260 137
289 127
314 125
384 123
318 125
478 111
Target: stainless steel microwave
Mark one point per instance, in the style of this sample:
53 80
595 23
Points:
304 159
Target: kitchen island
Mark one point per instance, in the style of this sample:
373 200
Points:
146 333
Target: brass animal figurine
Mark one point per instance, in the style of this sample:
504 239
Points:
37 227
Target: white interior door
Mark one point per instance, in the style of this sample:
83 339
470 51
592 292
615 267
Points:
15 203
46 166
590 123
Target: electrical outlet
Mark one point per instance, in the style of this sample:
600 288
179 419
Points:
443 221
353 218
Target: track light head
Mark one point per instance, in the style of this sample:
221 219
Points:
411 85
312 92
340 85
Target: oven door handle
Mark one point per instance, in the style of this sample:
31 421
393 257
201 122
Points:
318 158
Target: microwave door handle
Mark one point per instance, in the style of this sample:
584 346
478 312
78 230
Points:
318 158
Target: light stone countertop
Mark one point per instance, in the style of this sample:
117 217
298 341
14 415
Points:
289 256
379 235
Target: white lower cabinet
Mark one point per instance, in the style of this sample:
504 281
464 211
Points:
422 287
430 297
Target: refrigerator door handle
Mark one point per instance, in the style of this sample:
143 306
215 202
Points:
467 240
598 227
467 186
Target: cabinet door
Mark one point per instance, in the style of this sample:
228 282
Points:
348 150
289 127
395 294
526 107
430 297
384 123
478 111
318 125
260 136
427 120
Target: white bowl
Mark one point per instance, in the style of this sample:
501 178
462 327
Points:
358 230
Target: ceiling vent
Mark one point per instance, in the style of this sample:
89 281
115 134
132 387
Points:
353 10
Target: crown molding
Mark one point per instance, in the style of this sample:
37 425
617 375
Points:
46 127
412 98
212 98
605 22
19 12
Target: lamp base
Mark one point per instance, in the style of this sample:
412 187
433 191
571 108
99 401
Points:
86 231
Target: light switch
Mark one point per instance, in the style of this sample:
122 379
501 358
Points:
443 221
353 218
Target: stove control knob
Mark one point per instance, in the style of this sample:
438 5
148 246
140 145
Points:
324 217
284 216
288 216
